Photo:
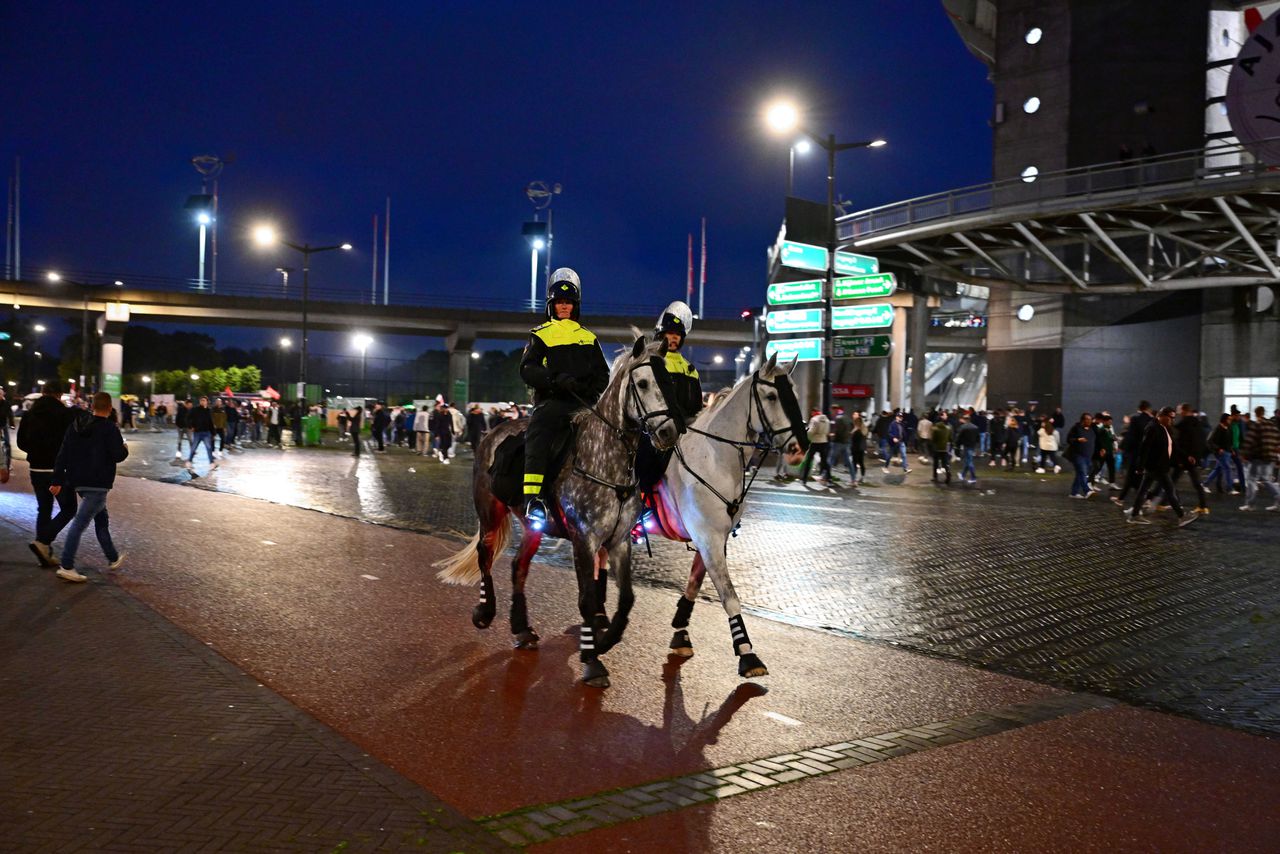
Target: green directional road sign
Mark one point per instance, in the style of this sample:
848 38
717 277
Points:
874 316
807 349
787 293
795 320
853 264
861 346
861 287
805 256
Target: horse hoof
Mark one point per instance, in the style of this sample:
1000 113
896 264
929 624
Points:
527 639
750 666
595 674
481 618
681 645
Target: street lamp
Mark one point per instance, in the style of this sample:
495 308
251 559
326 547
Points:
266 236
537 234
362 343
783 117
55 278
285 344
800 146
201 207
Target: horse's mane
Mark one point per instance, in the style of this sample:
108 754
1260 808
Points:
718 398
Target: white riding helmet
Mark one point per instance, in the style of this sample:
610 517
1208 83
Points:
677 317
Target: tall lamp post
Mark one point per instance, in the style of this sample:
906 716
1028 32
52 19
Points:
783 117
266 236
284 345
56 278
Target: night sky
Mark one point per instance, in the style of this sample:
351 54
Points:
648 114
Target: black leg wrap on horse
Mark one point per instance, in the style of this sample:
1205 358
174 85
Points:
602 590
587 643
519 614
749 664
739 632
482 614
680 640
612 632
684 609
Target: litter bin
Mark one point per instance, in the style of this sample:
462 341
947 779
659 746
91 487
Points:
311 430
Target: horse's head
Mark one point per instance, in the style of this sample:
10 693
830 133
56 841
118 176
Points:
648 390
775 405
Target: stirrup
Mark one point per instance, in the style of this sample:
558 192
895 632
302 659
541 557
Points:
647 522
536 514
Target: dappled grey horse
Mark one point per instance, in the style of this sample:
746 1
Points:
594 500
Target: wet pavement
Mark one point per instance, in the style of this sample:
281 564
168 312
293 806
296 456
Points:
846 744
1008 575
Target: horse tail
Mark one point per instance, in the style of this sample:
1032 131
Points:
463 566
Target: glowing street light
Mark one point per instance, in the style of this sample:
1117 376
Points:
718 359
266 236
39 327
784 119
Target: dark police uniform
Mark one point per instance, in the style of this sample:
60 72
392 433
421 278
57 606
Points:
562 363
651 464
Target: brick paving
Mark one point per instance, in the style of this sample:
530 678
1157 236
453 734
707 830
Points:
121 733
548 821
1009 575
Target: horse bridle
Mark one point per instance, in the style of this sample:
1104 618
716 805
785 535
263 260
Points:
626 490
764 442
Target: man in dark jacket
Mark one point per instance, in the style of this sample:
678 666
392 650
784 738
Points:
1153 461
967 440
1189 449
476 426
1081 440
40 434
200 423
379 425
565 367
1129 445
86 463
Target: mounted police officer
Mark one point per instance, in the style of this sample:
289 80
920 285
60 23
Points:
566 369
674 324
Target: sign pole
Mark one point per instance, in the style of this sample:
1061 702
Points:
829 284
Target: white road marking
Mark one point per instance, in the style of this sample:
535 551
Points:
193 520
804 494
783 719
269 543
370 577
802 507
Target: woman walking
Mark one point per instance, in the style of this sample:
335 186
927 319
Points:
1047 438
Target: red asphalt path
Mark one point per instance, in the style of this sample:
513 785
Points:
393 663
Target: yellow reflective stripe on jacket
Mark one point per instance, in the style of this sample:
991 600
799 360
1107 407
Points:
677 364
555 333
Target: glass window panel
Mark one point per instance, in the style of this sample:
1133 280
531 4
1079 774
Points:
1235 386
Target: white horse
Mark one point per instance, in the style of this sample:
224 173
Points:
700 497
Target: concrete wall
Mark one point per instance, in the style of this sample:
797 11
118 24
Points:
1021 71
1235 342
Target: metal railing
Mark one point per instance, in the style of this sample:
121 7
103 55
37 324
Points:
103 283
1134 176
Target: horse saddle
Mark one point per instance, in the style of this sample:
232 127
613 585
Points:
507 468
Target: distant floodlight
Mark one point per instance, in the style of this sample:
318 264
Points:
1026 312
53 277
119 283
146 378
346 246
958 380
1033 35
286 343
718 359
802 146
1031 104
878 143
203 218
538 243
362 342
475 355
1030 174
195 377
39 327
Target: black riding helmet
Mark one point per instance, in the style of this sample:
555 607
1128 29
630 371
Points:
564 284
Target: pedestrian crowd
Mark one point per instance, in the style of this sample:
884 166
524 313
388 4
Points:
1144 456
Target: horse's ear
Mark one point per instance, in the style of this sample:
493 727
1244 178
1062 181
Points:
771 366
638 347
791 367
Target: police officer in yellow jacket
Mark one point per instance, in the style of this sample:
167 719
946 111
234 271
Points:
675 322
565 367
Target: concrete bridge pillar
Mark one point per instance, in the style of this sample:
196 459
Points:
110 327
459 345
919 339
898 359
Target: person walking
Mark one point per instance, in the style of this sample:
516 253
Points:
924 431
182 420
858 447
476 426
1220 440
1153 460
441 423
897 443
1047 442
841 443
819 434
86 463
1081 441
1261 449
422 431
968 440
1189 448
200 421
940 448
40 435
1104 451
379 425
275 420
218 415
353 424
